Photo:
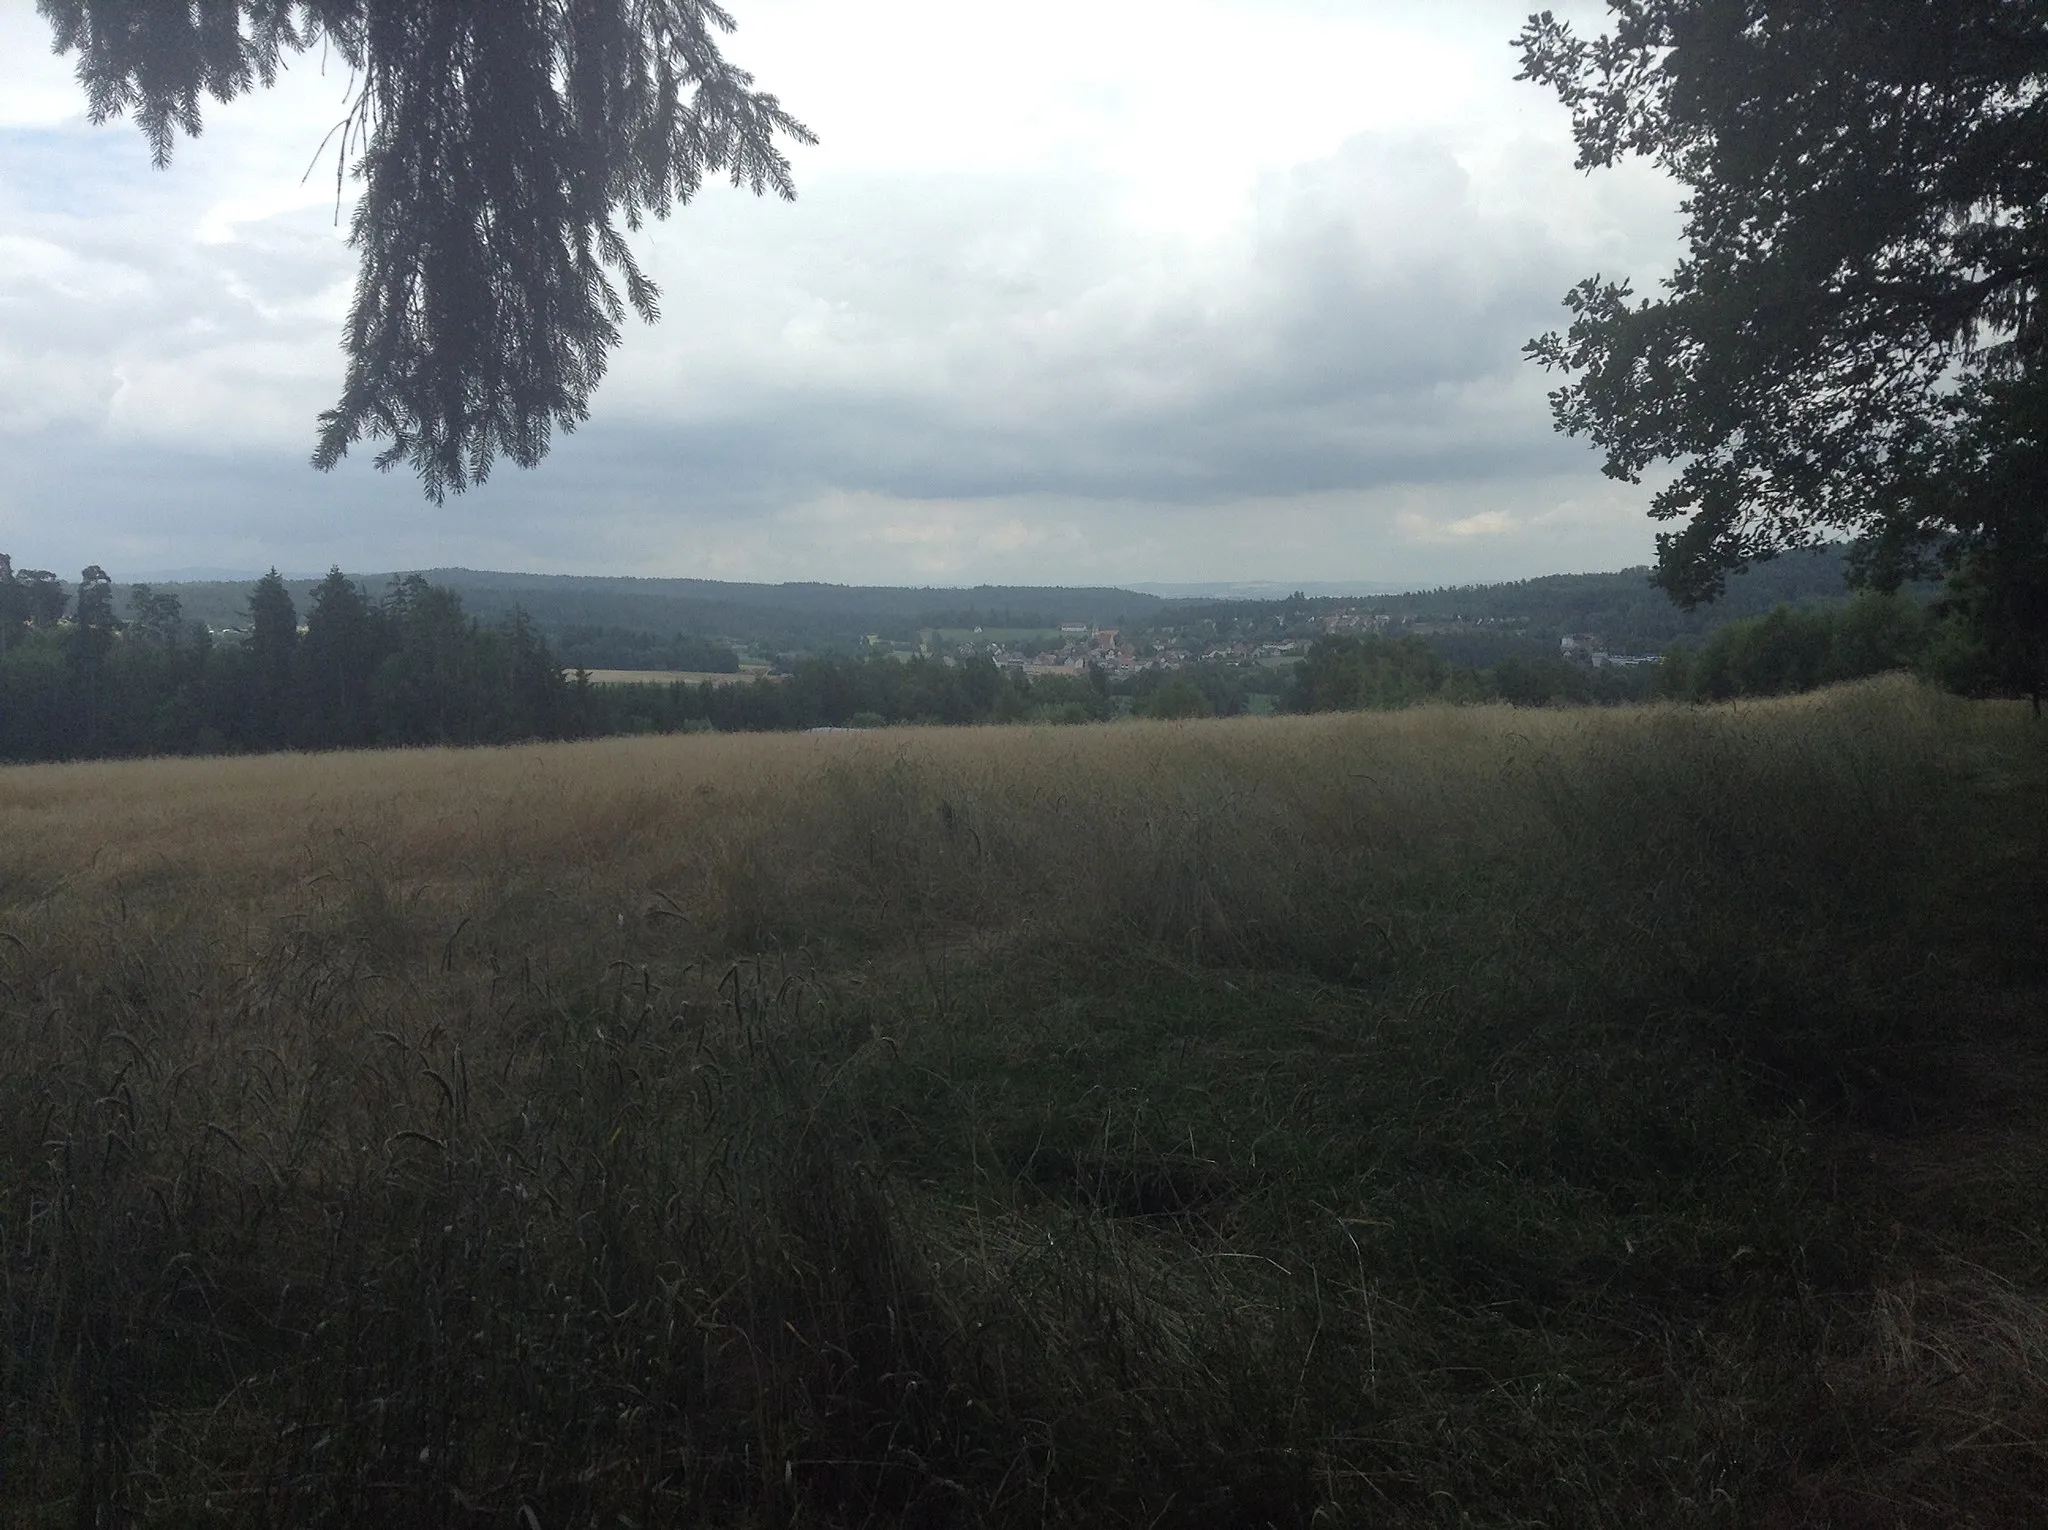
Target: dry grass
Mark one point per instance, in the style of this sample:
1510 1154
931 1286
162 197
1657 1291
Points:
1454 1116
1053 817
675 676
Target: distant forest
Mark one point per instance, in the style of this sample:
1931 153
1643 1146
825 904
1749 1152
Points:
694 624
83 675
580 613
1479 626
80 679
407 667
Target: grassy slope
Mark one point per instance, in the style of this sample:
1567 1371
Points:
1442 1117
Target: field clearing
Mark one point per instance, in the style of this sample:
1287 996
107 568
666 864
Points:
1044 637
1456 1116
675 676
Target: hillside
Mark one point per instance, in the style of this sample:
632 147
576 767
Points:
1484 624
765 616
1471 624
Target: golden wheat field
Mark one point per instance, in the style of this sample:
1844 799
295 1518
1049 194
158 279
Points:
1461 1115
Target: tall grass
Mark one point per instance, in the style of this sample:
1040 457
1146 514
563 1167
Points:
1456 1116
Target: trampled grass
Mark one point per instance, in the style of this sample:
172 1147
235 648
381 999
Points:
1447 1117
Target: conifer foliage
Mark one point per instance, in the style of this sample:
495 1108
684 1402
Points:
410 667
505 149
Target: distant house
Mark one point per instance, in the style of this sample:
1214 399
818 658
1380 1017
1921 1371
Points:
1579 645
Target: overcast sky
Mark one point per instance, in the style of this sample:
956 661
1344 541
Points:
1086 291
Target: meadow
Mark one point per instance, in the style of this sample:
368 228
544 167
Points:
675 676
1459 1116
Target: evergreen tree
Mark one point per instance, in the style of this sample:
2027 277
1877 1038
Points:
95 611
505 148
425 690
13 604
154 618
346 639
415 670
268 649
92 633
536 695
45 595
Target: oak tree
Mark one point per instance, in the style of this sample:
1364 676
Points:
1852 344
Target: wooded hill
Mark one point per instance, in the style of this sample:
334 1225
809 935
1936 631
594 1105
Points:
764 616
1622 607
1484 624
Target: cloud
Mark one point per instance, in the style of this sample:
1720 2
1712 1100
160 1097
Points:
1417 527
980 336
1090 331
40 89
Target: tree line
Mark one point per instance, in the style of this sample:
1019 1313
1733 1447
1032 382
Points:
1791 649
1340 673
591 646
849 691
1785 650
82 678
1371 672
78 679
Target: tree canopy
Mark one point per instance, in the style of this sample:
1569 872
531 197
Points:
1853 340
505 148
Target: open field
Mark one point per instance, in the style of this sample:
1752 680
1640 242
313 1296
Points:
1446 1117
672 676
1040 637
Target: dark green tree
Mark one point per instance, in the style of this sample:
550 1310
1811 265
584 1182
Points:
427 691
273 624
505 148
1853 342
154 618
529 680
46 597
13 603
94 614
346 639
93 627
269 649
1349 673
1791 649
1179 697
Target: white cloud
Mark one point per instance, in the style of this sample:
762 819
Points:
39 89
1175 289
